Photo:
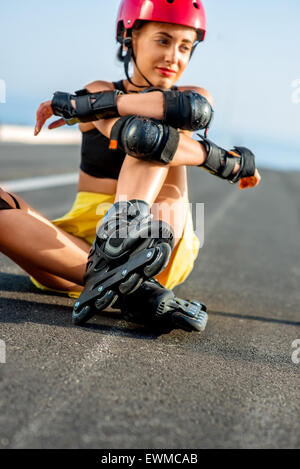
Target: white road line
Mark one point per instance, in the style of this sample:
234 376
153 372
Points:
226 204
31 184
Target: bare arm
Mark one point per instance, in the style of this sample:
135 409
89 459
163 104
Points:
147 105
150 104
188 153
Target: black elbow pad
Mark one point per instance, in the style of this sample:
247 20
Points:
187 110
145 138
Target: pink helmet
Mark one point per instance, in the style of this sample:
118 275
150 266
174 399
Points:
184 12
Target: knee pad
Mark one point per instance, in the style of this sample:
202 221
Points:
145 138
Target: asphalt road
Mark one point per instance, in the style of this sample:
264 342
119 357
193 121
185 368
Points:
115 385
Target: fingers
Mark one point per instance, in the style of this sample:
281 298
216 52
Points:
37 128
249 182
56 124
38 123
44 112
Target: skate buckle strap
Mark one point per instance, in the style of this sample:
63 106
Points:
190 315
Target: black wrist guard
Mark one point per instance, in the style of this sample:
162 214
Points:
89 106
221 163
145 138
186 110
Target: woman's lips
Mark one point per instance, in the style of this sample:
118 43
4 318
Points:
166 72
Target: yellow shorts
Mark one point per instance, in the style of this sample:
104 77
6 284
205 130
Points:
89 209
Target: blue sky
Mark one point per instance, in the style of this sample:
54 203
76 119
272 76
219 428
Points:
249 60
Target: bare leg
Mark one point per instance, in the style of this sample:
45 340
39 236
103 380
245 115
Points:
171 203
55 258
140 180
171 206
165 186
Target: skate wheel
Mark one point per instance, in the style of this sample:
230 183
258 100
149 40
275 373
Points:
160 262
106 300
82 315
131 284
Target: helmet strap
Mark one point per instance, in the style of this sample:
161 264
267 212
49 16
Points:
194 48
127 59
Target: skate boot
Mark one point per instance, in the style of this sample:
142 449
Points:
155 306
129 248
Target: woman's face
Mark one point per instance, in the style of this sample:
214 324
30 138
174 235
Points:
162 52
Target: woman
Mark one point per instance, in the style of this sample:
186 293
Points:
159 38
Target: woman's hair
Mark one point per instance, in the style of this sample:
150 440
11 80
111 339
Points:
137 26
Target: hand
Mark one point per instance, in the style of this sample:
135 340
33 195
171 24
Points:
44 113
249 182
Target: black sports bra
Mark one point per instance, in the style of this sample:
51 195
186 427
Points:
97 159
